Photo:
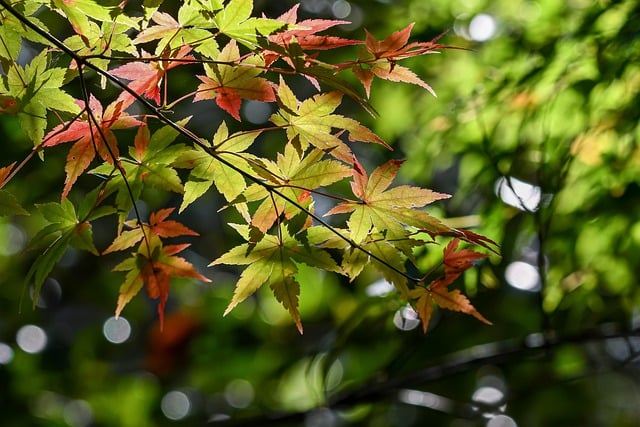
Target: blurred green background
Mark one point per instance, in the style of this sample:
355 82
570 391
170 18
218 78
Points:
535 131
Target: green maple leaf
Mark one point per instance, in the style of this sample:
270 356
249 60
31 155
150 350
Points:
207 170
150 165
235 21
102 40
295 175
65 227
36 89
12 30
172 34
273 261
311 122
383 210
78 13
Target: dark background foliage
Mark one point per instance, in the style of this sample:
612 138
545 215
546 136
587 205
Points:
535 131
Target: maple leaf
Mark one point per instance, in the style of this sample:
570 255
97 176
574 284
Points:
174 35
311 121
295 175
65 227
154 274
154 264
147 77
381 57
381 209
235 21
158 225
273 260
229 84
88 138
150 165
303 34
35 88
451 300
78 13
455 262
207 168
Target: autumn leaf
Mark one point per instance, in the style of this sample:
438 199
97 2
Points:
450 300
154 264
380 208
303 34
90 137
158 225
229 84
147 77
154 274
311 122
455 261
380 58
150 165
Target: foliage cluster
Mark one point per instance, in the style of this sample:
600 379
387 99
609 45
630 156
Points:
133 143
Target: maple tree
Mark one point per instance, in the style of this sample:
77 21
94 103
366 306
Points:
238 58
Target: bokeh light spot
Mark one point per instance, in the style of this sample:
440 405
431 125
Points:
49 295
239 393
13 239
425 399
341 9
116 330
31 338
406 318
482 27
490 396
523 276
6 354
501 421
78 413
315 6
518 194
257 112
379 289
175 405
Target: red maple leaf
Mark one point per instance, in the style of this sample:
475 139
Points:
229 84
381 58
156 275
90 137
158 225
162 227
305 35
455 263
147 77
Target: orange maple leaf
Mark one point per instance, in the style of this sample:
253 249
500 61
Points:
229 84
147 77
90 137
